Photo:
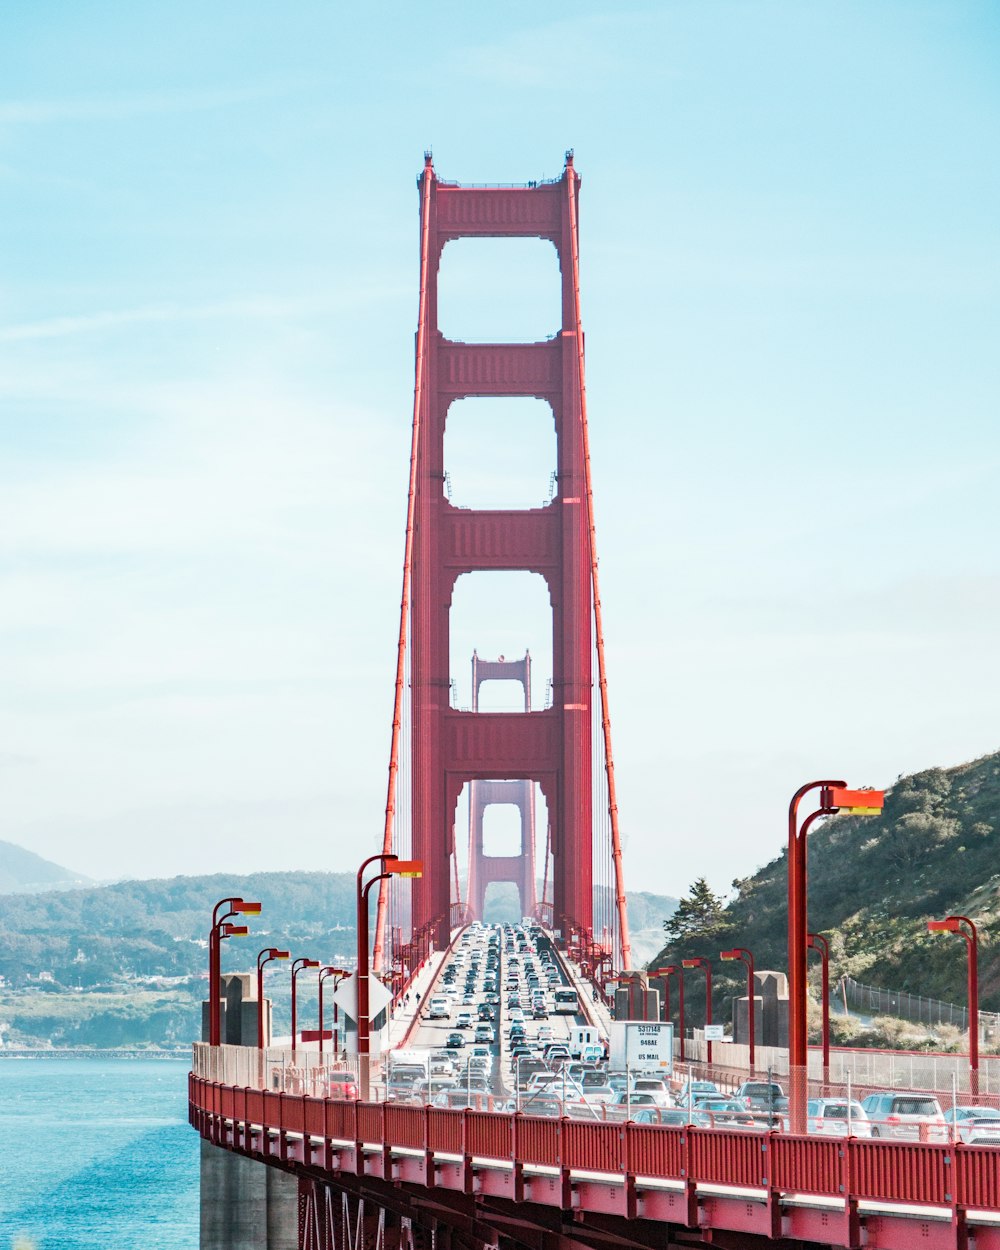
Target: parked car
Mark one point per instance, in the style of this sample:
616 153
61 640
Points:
912 1117
977 1126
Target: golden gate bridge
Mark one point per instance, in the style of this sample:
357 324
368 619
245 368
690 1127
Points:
384 1175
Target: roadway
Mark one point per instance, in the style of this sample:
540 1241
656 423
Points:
464 975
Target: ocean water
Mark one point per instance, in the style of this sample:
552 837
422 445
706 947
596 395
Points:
96 1154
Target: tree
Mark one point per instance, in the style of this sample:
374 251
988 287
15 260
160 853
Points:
698 915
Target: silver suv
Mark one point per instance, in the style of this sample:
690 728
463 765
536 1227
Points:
912 1117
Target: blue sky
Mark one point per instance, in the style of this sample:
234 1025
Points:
208 264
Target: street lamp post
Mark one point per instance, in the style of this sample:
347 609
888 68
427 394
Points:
297 967
338 975
954 924
700 961
833 797
666 972
391 866
746 957
223 909
264 957
817 942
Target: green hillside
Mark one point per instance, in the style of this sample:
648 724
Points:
126 964
873 884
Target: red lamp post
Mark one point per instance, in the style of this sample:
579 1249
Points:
264 957
817 942
338 975
833 798
223 909
746 957
297 967
391 866
956 924
666 973
700 961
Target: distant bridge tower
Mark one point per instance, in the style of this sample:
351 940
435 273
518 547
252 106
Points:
520 868
553 746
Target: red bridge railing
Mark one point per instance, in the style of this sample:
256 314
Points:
953 1175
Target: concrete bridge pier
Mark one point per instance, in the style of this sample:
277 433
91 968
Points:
245 1205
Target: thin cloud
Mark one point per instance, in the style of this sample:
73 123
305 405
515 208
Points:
120 107
65 327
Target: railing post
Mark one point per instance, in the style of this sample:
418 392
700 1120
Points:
467 1173
515 1150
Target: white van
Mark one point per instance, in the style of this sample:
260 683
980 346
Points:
583 1035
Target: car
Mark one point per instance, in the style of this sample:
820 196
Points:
464 1020
690 1090
455 1041
341 1085
539 1012
545 1033
439 1008
836 1117
486 1013
655 1089
674 1117
910 1117
543 1105
977 1126
485 1033
760 1095
517 1016
730 1112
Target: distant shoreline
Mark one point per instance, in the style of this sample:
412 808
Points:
73 1052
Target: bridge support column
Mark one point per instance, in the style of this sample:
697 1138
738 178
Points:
245 1205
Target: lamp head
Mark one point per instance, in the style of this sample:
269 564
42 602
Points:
728 955
246 909
276 954
234 930
950 925
405 867
854 802
692 963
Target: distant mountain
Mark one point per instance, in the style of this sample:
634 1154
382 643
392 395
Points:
24 872
125 964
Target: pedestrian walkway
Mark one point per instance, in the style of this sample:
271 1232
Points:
408 1007
591 1003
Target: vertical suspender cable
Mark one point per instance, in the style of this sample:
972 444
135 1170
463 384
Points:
390 802
616 846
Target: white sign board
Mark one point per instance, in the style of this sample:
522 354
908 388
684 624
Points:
346 997
649 1047
715 1033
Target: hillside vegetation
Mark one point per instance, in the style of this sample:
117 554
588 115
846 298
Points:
126 964
873 884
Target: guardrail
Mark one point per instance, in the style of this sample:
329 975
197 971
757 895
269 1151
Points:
954 1177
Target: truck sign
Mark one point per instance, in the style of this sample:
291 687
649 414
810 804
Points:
649 1046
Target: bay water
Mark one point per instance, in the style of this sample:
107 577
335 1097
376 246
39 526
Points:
97 1154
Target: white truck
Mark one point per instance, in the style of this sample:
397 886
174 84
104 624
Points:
585 1042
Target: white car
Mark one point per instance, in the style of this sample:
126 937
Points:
977 1126
835 1117
912 1117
